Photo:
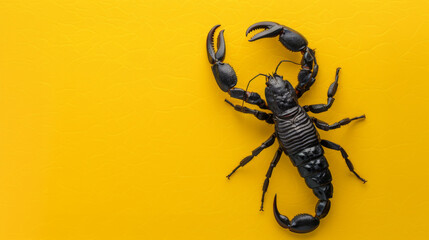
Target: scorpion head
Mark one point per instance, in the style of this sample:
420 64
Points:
280 94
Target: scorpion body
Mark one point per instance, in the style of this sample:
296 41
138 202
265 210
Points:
295 130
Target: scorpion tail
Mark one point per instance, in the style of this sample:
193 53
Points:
302 223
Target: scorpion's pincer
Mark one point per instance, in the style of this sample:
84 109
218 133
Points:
295 42
290 38
224 74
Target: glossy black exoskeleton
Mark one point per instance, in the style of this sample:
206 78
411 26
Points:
295 130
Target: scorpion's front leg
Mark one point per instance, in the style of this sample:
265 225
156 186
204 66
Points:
225 75
295 42
268 117
318 108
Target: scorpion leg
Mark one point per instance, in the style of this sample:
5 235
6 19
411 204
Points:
225 75
249 97
337 147
295 42
318 108
326 127
268 117
268 175
255 153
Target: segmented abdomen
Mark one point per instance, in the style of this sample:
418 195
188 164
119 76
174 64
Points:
300 140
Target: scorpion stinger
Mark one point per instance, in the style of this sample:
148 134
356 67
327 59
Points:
294 42
302 223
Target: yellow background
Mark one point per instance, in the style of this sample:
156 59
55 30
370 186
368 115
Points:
112 125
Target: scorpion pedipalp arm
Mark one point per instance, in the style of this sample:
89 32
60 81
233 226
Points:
224 74
307 74
295 42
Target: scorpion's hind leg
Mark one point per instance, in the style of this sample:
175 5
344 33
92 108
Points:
225 75
334 146
273 164
294 42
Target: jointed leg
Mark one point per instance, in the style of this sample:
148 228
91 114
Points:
326 127
268 175
268 117
337 147
249 97
318 108
255 153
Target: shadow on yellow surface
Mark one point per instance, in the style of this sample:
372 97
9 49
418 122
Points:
112 125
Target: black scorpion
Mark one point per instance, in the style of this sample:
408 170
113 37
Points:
294 128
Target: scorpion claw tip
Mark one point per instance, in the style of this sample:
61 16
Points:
209 44
220 54
271 29
259 25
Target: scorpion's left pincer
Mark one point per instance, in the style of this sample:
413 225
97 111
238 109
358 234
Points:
224 74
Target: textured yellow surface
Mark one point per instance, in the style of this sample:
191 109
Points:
112 125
